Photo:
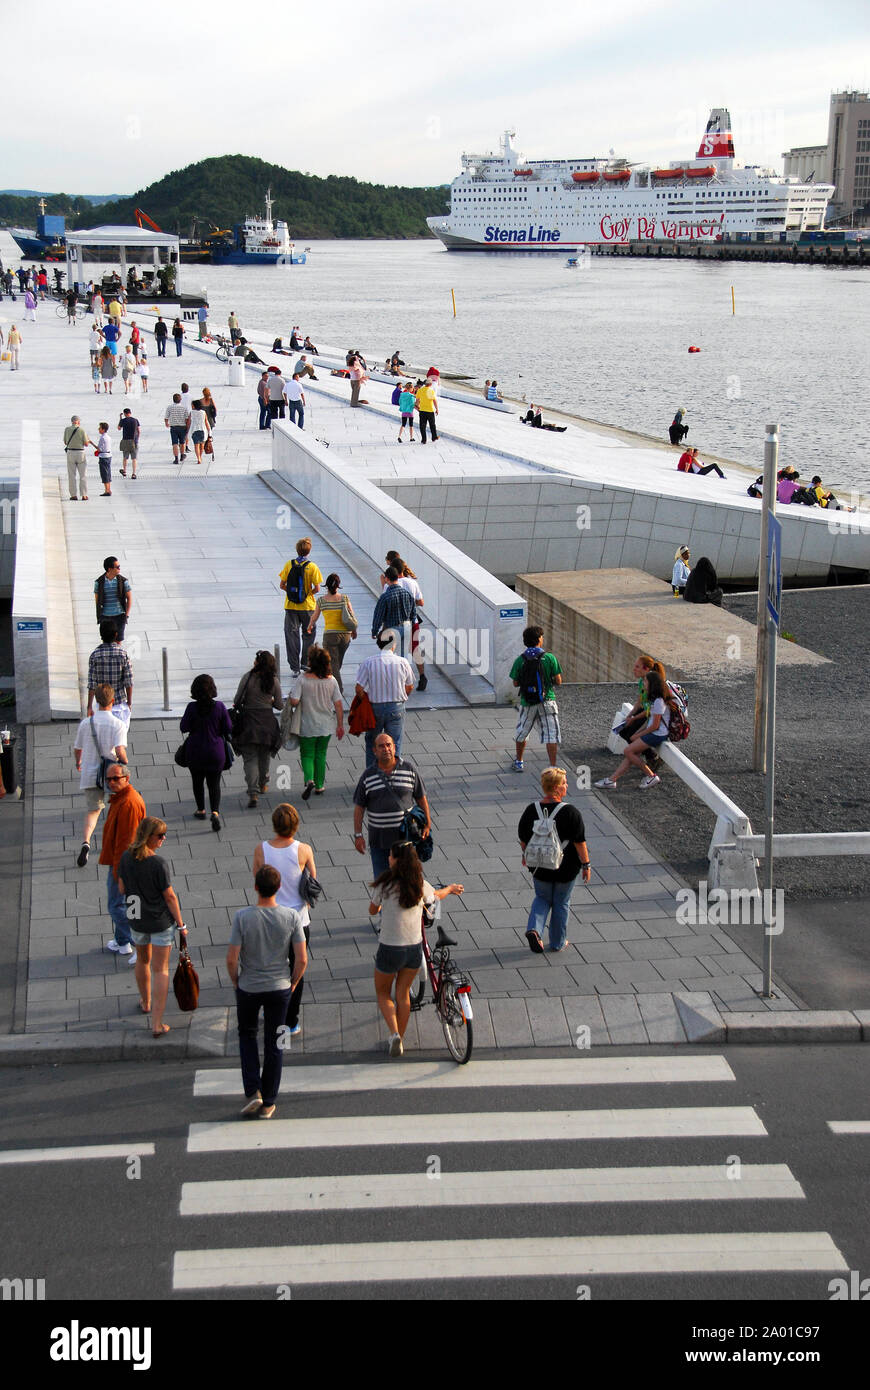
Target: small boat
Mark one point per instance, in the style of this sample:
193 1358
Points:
668 173
585 176
706 172
524 173
617 176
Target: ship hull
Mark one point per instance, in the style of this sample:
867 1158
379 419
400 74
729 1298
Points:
37 248
257 258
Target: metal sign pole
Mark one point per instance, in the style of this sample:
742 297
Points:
768 504
773 611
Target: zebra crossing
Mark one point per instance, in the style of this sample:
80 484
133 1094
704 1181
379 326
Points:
310 1191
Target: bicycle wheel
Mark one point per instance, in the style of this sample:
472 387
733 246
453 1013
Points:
418 989
61 310
457 1029
222 354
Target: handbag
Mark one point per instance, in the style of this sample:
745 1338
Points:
361 716
291 724
185 982
412 829
237 713
208 447
229 757
348 621
105 763
310 888
181 754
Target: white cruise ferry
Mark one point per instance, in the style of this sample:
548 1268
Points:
502 203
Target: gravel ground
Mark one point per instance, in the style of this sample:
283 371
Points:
822 764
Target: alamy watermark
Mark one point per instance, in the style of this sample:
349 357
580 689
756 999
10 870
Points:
722 907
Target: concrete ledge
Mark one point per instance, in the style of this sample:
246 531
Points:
863 1017
207 1035
29 1049
700 1017
814 1025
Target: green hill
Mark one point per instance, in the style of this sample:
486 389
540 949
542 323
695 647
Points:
227 189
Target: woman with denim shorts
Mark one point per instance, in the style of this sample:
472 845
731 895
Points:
154 915
649 738
400 894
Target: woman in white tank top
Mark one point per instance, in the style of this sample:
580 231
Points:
289 856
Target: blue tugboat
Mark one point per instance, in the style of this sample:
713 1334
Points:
257 241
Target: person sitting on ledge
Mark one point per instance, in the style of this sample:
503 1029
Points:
816 495
695 465
684 463
532 417
308 345
681 571
787 486
493 393
247 354
279 349
702 586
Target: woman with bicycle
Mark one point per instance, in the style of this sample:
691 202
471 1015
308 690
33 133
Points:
400 894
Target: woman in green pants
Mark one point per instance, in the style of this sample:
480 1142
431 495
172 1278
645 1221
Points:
322 711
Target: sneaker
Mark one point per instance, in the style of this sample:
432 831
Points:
83 856
422 683
252 1106
264 787
650 782
396 1046
215 822
252 802
265 1112
607 783
318 791
112 945
518 765
295 1030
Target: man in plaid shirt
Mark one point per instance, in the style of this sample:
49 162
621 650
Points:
394 610
109 664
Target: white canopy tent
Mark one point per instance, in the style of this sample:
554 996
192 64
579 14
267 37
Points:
160 248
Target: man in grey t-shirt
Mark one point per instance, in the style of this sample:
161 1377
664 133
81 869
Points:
257 964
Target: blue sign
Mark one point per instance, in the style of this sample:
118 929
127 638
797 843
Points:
506 613
774 568
30 625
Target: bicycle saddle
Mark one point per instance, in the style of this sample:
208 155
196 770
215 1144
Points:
443 939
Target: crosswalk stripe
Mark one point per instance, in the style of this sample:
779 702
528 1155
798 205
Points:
574 1256
849 1126
363 1191
477 1128
580 1071
131 1150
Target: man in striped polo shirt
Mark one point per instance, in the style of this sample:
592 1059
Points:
388 680
386 791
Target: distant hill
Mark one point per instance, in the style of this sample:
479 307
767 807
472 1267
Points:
94 198
226 189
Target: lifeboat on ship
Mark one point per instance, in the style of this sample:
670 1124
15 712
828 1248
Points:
524 173
668 173
617 176
585 176
707 172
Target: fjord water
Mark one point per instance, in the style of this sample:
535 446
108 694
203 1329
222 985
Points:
607 341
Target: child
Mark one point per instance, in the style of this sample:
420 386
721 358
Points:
407 401
96 373
103 452
142 371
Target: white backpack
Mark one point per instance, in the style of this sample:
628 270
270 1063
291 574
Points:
545 850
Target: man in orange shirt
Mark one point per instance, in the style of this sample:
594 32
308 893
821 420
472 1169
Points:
126 810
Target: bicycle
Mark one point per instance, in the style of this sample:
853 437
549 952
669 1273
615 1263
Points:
61 309
451 992
225 350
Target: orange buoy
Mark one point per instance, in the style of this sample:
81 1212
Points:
694 349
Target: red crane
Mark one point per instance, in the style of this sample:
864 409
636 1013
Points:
142 217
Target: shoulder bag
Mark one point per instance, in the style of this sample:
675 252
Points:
291 724
237 713
347 619
185 982
105 763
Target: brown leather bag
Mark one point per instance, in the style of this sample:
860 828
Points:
185 982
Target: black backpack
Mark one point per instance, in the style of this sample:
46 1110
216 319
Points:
531 684
295 584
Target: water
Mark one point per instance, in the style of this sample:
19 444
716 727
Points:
607 341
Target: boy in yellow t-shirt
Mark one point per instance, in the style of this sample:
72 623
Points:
427 405
300 579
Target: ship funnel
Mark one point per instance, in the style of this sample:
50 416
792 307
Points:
716 142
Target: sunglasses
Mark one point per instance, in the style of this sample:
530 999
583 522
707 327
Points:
116 779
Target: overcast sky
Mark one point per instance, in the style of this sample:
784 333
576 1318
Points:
394 93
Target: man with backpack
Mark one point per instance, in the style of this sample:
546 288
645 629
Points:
535 674
300 580
553 838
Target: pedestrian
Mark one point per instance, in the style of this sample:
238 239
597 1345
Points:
96 342
653 734
318 693
178 335
135 338
277 386
257 736
357 377
109 664
427 406
235 330
385 792
295 398
115 311
128 369
207 725
407 401
339 623
29 306
408 580
100 736
13 345
553 840
176 418
304 368
209 407
399 895
291 858
160 335
200 429
108 370
71 302
129 427
112 333
202 319
104 454
263 401
96 375
143 371
394 612
300 580
42 282
113 596
535 673
154 914
126 811
257 964
98 306
388 680
75 442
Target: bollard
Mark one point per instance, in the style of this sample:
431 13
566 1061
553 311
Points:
278 662
165 679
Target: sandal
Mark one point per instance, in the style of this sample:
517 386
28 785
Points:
159 1032
142 1008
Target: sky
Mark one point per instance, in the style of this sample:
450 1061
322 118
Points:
395 95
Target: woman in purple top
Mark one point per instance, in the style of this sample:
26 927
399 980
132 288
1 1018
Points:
207 725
